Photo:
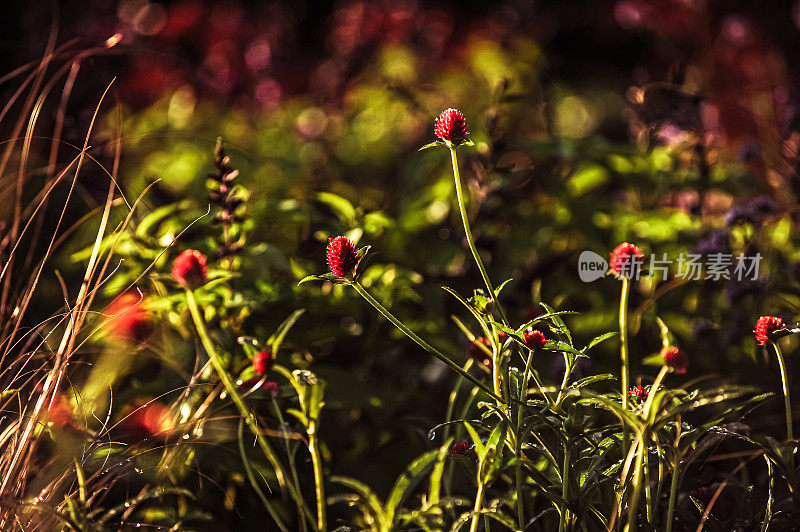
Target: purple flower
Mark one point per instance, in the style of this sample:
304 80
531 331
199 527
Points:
741 214
749 152
715 242
736 290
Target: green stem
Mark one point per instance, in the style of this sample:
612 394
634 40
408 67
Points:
563 522
290 456
244 411
673 494
648 495
497 356
633 504
470 241
253 482
523 396
473 527
786 400
623 352
673 485
420 342
316 462
565 381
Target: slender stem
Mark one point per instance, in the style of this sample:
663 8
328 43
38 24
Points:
623 352
290 456
520 493
316 462
523 395
419 341
633 504
470 241
648 495
563 522
244 411
673 486
253 482
473 527
565 381
786 400
497 357
653 389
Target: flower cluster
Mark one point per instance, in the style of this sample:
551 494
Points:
638 392
128 319
263 362
342 256
535 340
766 327
451 127
626 260
675 359
190 269
223 194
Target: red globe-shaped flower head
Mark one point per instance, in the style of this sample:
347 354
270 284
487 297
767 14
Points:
190 269
459 447
638 392
766 327
477 353
128 319
626 260
60 412
675 359
148 420
342 256
451 127
535 340
263 362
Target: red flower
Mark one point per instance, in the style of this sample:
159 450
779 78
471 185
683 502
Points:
535 340
148 419
272 388
263 362
626 260
675 359
766 327
459 447
342 256
478 354
127 318
190 269
451 127
638 392
60 412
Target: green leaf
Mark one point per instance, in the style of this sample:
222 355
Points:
480 449
597 339
324 277
557 345
406 482
472 311
495 514
280 333
592 379
372 500
435 480
435 144
502 285
343 209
